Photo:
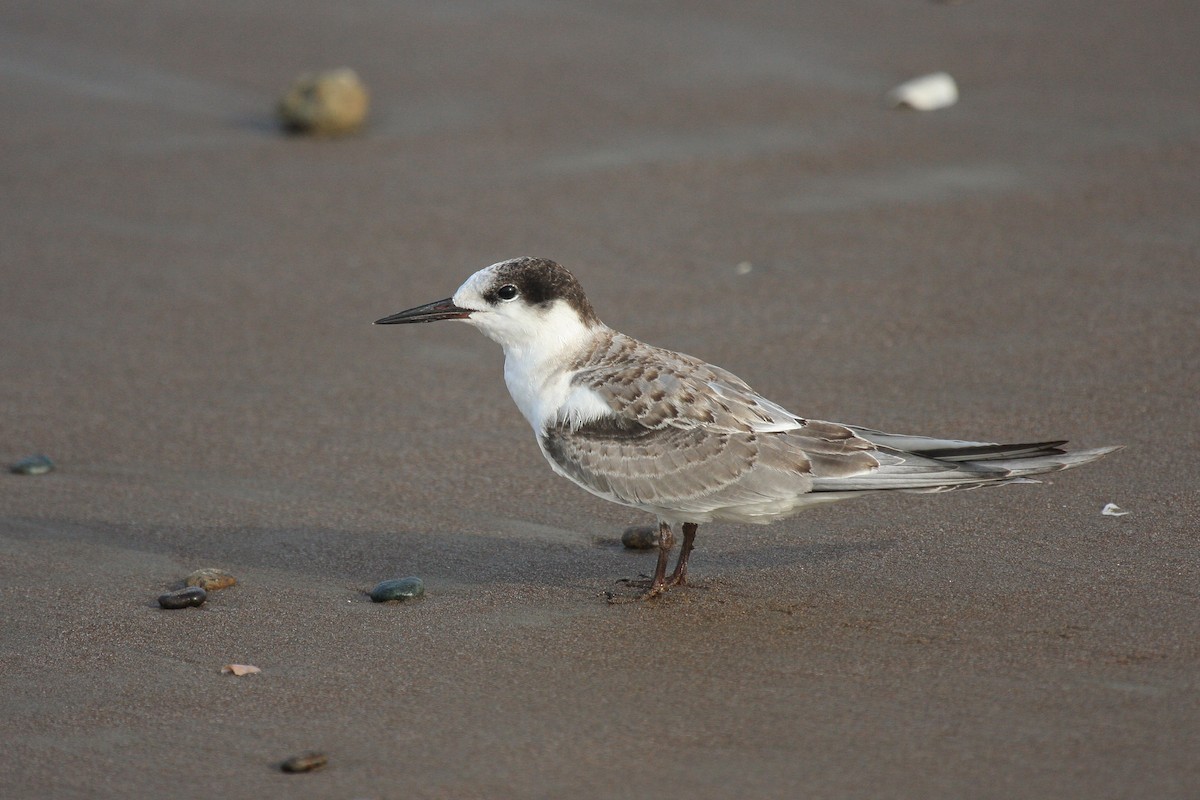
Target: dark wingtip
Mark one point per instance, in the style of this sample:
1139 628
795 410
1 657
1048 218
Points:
990 452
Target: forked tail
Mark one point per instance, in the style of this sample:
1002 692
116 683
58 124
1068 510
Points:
922 464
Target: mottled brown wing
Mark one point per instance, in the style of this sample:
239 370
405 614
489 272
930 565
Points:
685 435
661 388
696 468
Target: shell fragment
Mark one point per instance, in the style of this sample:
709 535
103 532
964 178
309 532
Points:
926 93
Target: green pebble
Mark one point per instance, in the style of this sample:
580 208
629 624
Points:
398 589
32 465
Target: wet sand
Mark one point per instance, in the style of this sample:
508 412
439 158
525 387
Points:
186 331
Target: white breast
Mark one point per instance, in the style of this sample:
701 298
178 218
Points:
538 372
546 396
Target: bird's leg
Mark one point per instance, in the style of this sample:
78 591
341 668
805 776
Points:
665 542
679 576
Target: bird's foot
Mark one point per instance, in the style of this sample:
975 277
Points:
661 582
615 599
651 589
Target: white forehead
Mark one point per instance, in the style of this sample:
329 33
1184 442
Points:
474 287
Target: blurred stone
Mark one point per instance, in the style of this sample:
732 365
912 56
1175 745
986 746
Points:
643 537
331 103
211 579
398 589
305 763
37 464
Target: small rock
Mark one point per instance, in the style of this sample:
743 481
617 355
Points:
37 464
306 762
183 598
330 103
643 537
398 589
211 579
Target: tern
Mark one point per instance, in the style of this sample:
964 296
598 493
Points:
685 440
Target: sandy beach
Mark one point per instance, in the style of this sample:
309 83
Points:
186 324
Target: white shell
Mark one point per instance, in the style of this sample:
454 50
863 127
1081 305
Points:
926 93
1113 510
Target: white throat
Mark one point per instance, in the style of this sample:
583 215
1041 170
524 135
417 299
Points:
538 372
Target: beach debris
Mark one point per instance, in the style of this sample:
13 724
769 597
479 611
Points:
238 670
926 93
36 464
183 598
210 579
643 537
743 268
398 589
306 762
330 103
1113 510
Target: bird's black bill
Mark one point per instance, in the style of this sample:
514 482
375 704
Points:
430 312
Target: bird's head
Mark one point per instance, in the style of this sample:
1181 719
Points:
520 303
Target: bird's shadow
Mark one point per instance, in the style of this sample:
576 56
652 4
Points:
474 559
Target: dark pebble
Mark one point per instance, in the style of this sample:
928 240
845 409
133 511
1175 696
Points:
641 537
398 589
32 465
210 579
305 763
183 598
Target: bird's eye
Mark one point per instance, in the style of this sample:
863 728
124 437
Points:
506 292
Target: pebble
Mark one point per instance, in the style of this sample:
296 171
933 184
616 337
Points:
183 598
211 579
330 103
32 465
641 537
305 763
398 589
